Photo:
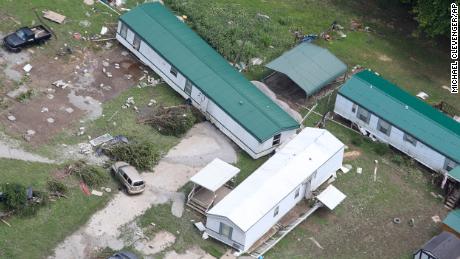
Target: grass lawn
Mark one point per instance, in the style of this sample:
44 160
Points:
36 236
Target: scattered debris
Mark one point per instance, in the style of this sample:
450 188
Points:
84 188
101 140
396 220
61 84
85 23
104 30
436 219
50 96
422 95
27 68
88 2
412 222
11 118
375 169
53 16
85 148
256 61
315 242
359 170
200 226
346 168
151 102
44 109
263 16
97 193
50 120
30 132
69 110
128 76
77 36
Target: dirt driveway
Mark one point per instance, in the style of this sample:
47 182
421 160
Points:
201 145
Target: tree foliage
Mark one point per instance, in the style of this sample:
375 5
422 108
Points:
433 16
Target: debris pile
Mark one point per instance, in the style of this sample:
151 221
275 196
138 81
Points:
175 120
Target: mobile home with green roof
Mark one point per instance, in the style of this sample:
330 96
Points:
202 76
405 122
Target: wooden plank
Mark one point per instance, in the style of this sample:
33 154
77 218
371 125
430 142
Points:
53 16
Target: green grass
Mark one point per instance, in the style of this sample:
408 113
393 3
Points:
36 236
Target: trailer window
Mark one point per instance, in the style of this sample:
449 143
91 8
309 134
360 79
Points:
363 114
410 139
276 139
188 87
384 127
136 42
123 30
449 164
225 230
173 71
297 193
277 210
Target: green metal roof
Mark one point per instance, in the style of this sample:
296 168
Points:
453 220
309 66
209 71
455 173
405 111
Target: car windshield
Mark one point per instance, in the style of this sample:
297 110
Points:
21 34
139 183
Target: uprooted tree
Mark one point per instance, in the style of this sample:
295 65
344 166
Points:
143 155
172 121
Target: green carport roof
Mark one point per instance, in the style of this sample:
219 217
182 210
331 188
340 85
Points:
207 70
405 111
455 173
453 220
309 66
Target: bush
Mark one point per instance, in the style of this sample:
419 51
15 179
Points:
57 186
40 199
381 149
15 196
91 175
143 156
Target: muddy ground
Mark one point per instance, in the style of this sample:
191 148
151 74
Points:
90 77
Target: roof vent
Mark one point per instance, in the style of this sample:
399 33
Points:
406 107
240 102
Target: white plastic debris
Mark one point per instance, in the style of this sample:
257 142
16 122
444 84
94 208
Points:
104 30
11 118
359 170
50 120
422 95
27 68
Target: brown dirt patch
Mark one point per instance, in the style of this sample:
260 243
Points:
352 154
84 70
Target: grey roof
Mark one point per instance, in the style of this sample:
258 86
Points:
443 246
309 66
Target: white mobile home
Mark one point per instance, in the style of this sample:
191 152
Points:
395 117
242 217
199 74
